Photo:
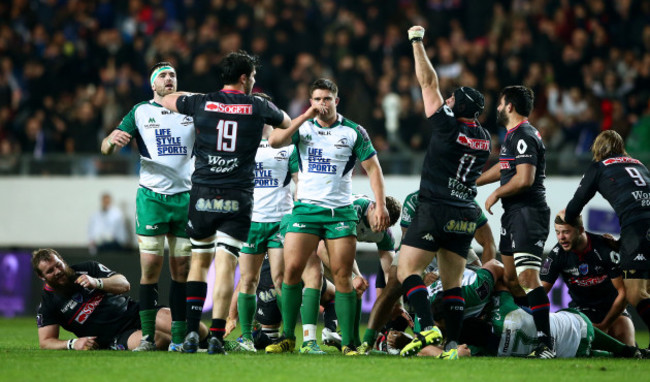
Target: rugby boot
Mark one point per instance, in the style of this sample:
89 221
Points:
215 346
283 345
331 338
349 350
191 343
450 354
246 345
364 348
422 339
544 350
311 347
146 344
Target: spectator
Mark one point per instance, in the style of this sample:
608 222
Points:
107 230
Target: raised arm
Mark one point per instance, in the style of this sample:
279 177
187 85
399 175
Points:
425 73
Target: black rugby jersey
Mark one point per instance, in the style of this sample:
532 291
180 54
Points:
623 181
523 145
88 312
228 130
587 274
455 158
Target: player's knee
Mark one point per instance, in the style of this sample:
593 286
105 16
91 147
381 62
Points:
154 245
250 280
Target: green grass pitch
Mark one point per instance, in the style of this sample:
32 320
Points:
22 360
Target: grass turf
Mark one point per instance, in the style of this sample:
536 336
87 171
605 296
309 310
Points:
21 360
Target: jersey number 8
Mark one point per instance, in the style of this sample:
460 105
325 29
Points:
226 136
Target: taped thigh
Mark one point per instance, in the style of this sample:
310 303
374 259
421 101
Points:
202 246
179 246
228 243
153 245
526 261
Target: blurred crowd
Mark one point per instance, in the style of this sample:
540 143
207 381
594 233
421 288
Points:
70 69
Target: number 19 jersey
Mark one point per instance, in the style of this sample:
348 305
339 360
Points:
228 130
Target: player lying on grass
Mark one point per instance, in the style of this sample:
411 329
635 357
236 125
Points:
510 331
89 300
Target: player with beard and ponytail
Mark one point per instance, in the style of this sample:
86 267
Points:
526 217
445 220
165 140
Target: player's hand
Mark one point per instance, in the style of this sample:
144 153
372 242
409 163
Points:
86 343
612 242
315 110
87 282
231 324
380 219
399 311
119 138
601 326
360 284
415 31
430 278
491 200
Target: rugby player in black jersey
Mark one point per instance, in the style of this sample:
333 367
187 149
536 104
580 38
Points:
525 221
445 220
89 300
589 266
625 183
228 127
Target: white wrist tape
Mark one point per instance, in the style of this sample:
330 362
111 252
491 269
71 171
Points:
416 35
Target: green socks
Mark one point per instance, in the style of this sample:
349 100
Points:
345 304
246 306
370 336
148 321
291 300
357 322
178 331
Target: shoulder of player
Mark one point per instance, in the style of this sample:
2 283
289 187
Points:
86 266
527 130
143 103
357 128
556 251
138 107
